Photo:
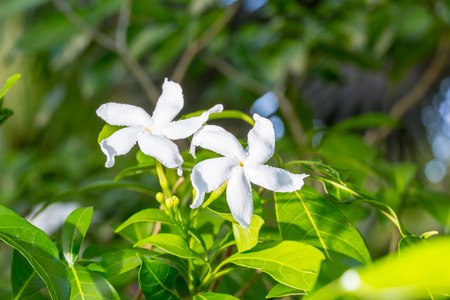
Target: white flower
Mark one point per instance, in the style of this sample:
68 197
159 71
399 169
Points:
152 133
240 167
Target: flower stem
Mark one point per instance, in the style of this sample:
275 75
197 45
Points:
163 179
215 194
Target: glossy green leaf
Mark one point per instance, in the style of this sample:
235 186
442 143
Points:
117 262
146 215
157 280
73 232
38 249
214 296
309 217
24 280
247 239
292 263
281 290
137 231
90 285
9 82
171 243
107 131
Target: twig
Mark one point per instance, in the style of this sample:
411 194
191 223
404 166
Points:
242 292
286 108
138 294
412 98
197 45
122 25
111 44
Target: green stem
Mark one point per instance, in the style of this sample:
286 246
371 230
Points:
163 179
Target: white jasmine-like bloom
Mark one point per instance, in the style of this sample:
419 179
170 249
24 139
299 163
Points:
152 133
240 167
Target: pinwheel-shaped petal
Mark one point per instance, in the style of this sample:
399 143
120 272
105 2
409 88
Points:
152 133
240 167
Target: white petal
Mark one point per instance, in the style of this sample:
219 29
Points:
184 128
240 198
261 141
120 143
169 103
124 115
219 140
274 179
209 175
163 149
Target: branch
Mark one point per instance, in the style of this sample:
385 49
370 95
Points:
403 105
117 46
197 45
286 107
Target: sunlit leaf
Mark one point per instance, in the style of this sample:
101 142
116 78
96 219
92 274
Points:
38 249
214 296
171 243
107 131
24 280
73 232
225 114
157 280
9 82
281 290
246 239
292 263
309 217
88 285
146 215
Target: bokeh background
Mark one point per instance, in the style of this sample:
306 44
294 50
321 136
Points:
362 85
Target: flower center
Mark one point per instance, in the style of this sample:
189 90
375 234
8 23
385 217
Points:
241 163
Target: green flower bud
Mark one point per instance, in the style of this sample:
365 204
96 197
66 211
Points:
160 197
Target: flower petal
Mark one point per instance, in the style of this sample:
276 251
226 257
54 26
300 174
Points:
169 103
219 140
163 149
261 141
240 198
120 143
184 128
275 179
124 115
209 175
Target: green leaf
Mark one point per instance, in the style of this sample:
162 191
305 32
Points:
171 243
114 263
281 290
9 82
107 131
225 114
390 214
24 280
417 272
309 217
371 120
321 168
90 285
146 215
73 232
11 7
292 263
247 239
38 249
137 231
157 280
134 170
214 296
5 114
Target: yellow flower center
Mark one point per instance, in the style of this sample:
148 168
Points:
241 164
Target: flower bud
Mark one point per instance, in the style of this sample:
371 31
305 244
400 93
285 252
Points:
160 197
176 201
169 203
